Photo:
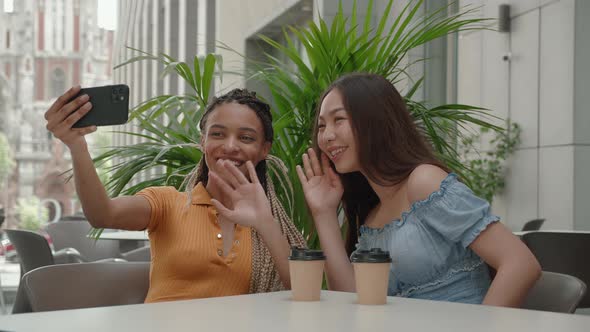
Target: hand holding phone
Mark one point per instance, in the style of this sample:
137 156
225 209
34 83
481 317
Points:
110 106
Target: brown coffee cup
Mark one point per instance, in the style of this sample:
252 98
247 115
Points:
306 268
371 274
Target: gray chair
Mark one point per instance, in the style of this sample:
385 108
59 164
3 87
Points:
33 251
555 292
76 216
562 252
533 225
74 234
86 285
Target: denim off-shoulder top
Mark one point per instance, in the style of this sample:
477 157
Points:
429 246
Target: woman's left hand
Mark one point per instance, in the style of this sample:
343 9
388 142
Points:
250 204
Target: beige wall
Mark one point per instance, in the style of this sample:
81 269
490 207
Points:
547 176
236 21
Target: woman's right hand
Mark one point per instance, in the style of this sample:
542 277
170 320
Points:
62 115
321 185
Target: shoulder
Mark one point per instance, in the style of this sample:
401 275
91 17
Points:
161 189
164 191
423 181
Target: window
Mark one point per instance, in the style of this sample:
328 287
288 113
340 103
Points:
9 6
58 82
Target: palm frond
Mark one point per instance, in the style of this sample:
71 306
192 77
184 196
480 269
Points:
296 72
331 51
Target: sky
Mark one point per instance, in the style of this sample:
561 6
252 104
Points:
107 14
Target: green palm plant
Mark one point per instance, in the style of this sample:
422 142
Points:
351 46
171 147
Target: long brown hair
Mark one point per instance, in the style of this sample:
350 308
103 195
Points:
390 146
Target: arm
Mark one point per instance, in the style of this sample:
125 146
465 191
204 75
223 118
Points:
126 212
323 192
339 271
102 212
517 269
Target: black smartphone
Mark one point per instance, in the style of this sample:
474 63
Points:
110 106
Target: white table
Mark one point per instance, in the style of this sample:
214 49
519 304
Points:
521 233
125 235
276 312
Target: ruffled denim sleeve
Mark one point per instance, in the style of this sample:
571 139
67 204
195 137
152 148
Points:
455 212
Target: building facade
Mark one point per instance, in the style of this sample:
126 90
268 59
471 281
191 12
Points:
536 74
178 28
46 46
181 29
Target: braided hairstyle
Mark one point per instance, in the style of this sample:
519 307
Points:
265 276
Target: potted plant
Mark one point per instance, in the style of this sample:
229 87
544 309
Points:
347 45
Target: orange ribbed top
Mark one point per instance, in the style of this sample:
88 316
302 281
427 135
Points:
187 255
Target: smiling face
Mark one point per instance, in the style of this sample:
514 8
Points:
234 132
335 135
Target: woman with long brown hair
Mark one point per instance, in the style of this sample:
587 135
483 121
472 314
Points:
399 197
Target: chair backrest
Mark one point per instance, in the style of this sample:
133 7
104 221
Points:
86 285
533 225
74 234
562 252
73 217
2 216
555 292
32 249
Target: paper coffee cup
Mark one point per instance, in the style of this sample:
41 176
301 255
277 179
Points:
371 275
306 268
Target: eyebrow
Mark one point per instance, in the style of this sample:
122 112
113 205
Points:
252 130
332 111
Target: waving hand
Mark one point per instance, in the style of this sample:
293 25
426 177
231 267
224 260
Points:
321 185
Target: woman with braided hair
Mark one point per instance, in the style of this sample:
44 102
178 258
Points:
227 234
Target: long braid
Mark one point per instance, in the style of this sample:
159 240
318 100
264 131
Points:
265 276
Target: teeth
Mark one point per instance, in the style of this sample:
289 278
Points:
236 163
336 152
